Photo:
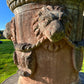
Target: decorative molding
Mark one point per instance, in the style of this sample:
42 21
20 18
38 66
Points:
16 3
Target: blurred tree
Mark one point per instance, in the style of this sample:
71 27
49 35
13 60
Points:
1 35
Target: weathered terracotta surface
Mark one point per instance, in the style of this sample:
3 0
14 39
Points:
53 66
45 38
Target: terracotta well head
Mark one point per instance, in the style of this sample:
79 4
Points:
40 58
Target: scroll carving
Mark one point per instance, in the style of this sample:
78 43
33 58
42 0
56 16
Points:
10 32
26 62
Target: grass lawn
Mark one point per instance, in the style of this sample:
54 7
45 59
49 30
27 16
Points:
7 66
82 69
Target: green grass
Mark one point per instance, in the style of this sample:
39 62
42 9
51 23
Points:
82 69
7 66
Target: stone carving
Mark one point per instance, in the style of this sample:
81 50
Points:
10 33
16 3
7 32
45 37
50 22
48 18
77 58
26 63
